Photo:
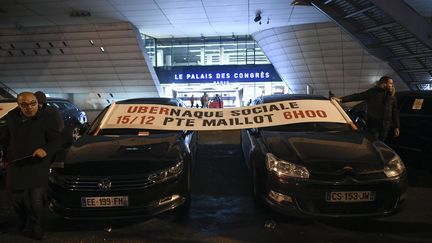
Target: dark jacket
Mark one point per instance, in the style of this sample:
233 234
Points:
391 119
23 138
378 106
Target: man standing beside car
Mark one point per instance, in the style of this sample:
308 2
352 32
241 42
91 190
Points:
32 140
378 107
42 102
392 116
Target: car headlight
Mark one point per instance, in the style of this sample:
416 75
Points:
167 174
394 167
285 169
82 117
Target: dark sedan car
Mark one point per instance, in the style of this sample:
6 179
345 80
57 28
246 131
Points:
415 116
124 172
73 117
325 168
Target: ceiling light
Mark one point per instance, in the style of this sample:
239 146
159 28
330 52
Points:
257 16
301 3
80 14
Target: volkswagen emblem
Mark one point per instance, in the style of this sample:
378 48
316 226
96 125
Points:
104 184
347 169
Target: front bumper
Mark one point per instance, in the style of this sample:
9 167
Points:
308 197
145 202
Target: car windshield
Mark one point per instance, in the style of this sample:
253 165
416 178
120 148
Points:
311 127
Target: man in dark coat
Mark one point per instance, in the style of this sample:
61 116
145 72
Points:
32 140
391 121
377 101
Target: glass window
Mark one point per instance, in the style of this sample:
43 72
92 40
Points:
228 50
250 52
195 52
179 52
212 48
150 45
241 52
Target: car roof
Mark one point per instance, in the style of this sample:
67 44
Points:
57 99
154 100
8 100
282 97
422 93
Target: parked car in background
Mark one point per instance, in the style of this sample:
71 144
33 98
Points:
415 116
5 106
74 119
322 169
124 172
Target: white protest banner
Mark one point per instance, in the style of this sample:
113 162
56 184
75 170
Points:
163 117
6 107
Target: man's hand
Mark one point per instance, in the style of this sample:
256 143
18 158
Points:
396 132
39 153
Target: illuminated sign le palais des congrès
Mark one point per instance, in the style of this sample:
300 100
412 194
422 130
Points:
217 74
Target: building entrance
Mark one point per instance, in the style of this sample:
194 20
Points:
226 97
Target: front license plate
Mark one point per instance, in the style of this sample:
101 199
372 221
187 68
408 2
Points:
350 196
97 202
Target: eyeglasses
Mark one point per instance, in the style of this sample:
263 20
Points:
27 105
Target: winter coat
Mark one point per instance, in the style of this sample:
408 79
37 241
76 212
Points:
378 103
25 135
391 115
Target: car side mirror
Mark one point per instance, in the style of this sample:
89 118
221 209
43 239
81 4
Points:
185 133
360 122
254 132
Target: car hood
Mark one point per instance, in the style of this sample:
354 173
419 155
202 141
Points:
328 151
108 155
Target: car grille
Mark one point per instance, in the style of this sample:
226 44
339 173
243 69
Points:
338 177
106 183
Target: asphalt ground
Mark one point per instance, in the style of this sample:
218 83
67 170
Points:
223 211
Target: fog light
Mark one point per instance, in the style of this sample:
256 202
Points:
279 197
168 199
